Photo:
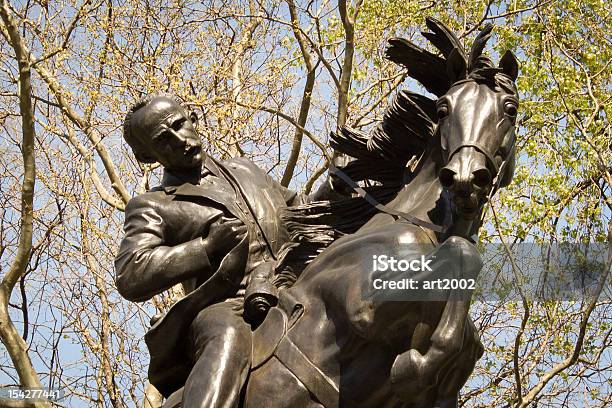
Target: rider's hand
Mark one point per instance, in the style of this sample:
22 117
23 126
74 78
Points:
224 235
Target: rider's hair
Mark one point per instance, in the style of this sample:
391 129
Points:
139 147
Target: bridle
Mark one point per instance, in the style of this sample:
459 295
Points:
411 218
498 178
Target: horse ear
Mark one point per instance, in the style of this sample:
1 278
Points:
456 65
509 65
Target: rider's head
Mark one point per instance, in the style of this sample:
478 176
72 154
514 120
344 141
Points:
158 128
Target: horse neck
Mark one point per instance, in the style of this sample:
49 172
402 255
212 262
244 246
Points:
422 194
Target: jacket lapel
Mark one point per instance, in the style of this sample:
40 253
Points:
211 189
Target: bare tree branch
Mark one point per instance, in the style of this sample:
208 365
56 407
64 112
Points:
11 339
67 36
306 97
246 42
314 177
585 315
348 22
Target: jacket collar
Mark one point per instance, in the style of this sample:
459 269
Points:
217 189
171 180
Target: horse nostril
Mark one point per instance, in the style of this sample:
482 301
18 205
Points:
482 178
446 177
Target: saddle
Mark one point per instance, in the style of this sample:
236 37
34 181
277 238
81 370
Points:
273 339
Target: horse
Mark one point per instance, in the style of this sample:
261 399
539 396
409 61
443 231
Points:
340 348
330 341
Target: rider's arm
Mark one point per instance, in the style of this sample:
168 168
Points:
144 265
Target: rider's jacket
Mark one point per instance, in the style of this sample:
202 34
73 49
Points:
161 222
164 229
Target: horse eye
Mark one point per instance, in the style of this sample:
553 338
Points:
510 108
442 111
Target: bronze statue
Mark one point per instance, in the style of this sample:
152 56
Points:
328 342
209 226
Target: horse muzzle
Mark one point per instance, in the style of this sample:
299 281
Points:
468 179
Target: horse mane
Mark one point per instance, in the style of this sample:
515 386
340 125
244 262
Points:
429 69
384 159
405 132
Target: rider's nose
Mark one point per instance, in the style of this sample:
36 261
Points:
179 139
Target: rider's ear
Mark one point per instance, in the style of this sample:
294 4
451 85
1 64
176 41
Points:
456 66
509 65
194 118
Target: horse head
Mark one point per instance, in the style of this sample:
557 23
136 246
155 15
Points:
476 127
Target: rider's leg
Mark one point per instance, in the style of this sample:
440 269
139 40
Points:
221 346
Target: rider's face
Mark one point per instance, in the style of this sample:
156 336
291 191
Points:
169 133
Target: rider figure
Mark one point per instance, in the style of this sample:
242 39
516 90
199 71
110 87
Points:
184 231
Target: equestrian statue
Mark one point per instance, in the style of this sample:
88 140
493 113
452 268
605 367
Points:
419 183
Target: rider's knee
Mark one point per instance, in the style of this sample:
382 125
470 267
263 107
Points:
215 318
460 243
218 331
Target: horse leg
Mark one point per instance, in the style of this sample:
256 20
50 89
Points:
461 368
412 372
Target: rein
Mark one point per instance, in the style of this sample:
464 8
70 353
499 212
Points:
383 208
497 180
